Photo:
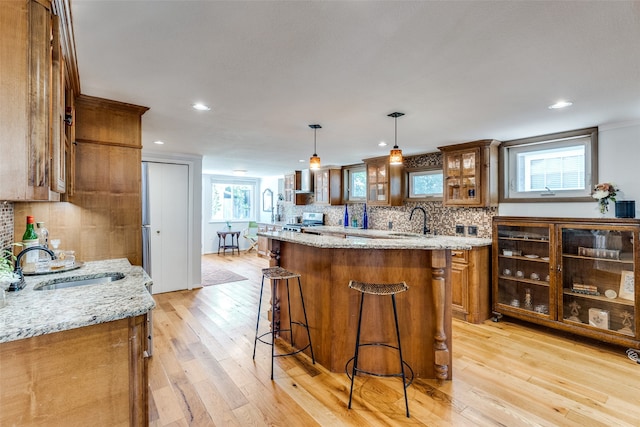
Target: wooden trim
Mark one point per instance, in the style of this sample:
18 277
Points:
94 101
110 144
62 8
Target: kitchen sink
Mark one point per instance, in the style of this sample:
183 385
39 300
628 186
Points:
70 282
414 235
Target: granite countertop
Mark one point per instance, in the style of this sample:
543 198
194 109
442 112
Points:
355 238
31 312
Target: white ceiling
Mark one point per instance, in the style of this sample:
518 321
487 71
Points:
459 70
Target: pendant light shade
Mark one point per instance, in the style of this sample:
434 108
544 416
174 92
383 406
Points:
314 161
395 155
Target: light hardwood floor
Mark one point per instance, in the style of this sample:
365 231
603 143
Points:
504 374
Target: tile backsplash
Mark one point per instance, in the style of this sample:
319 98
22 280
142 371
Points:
6 224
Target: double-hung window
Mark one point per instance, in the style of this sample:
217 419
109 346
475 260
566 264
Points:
355 183
557 167
233 199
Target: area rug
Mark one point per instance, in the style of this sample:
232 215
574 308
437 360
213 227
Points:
219 276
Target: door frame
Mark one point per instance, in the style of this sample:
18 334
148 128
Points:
194 213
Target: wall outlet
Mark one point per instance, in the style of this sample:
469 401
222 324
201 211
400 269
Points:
390 225
459 229
472 230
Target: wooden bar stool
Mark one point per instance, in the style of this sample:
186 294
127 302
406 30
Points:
379 289
277 274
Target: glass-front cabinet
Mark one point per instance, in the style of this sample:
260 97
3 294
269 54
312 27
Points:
471 173
577 275
384 182
597 276
525 270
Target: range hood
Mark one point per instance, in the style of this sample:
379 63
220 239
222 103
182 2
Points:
306 182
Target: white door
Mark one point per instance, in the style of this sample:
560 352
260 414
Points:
168 220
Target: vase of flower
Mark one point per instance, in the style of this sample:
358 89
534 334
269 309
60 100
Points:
604 193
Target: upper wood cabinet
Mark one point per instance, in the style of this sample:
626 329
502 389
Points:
471 174
292 186
32 65
384 182
328 186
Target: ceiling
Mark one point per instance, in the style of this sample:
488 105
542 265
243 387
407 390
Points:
459 70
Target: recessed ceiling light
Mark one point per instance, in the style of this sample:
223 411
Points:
239 172
158 142
301 160
560 104
201 107
382 144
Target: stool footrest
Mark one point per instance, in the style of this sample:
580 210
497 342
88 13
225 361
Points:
408 378
260 338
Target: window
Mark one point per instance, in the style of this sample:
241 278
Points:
233 200
355 183
560 167
425 183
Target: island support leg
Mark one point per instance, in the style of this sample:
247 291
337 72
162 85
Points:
441 351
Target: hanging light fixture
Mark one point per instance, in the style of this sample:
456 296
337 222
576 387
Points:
395 155
314 161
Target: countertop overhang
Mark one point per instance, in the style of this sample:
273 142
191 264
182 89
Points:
356 238
31 313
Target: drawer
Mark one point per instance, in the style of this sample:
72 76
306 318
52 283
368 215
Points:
460 256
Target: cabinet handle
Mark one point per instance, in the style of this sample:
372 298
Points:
145 354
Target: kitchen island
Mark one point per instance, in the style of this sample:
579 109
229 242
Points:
328 257
76 356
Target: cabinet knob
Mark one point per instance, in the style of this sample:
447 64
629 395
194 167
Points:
157 231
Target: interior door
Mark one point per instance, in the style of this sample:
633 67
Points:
168 220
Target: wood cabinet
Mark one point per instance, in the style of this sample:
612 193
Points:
108 180
384 182
471 174
292 186
328 186
471 284
575 275
263 242
33 43
95 375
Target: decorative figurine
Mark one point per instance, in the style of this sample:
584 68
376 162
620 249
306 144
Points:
575 312
627 320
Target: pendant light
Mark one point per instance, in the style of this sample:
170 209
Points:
395 155
314 161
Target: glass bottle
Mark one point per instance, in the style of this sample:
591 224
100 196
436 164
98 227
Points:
365 219
29 239
346 216
43 235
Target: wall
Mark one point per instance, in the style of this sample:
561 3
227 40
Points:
209 228
618 156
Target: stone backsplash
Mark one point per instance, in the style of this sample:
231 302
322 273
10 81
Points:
440 219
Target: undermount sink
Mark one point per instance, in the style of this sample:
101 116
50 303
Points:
415 235
70 282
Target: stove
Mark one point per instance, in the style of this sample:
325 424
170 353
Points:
309 219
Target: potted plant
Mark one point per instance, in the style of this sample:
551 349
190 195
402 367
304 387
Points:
7 276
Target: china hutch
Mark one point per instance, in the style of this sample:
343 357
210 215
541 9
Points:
572 274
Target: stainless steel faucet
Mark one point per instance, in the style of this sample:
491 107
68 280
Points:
20 283
425 229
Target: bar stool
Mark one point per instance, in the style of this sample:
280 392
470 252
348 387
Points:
379 289
277 274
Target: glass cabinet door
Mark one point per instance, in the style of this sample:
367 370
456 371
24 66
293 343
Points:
462 176
597 278
524 270
377 183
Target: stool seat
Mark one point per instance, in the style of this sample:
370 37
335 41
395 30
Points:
352 367
275 275
378 288
278 273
